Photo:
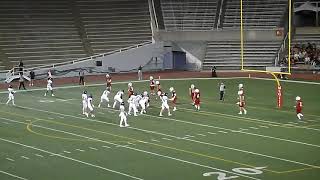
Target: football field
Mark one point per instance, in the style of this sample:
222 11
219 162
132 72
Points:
48 138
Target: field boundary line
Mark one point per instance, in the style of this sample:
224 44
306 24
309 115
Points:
12 175
117 82
128 147
69 158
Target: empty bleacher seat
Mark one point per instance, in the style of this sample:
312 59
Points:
38 32
189 14
226 54
257 14
113 24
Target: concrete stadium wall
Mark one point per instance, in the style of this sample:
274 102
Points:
250 35
126 61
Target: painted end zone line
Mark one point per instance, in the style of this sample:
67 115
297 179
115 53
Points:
12 175
69 158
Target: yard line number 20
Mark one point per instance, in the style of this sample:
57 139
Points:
244 171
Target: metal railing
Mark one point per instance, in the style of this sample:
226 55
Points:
48 66
281 50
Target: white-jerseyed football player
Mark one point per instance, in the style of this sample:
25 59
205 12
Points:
49 87
123 116
117 98
84 103
164 105
143 103
105 97
90 106
132 105
11 95
137 99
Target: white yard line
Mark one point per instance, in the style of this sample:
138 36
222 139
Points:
12 175
67 152
69 158
80 150
210 144
39 155
4 122
93 148
127 147
212 133
106 147
24 157
9 159
185 122
201 135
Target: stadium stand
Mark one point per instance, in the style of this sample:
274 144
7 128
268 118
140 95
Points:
226 55
189 14
115 24
38 32
257 14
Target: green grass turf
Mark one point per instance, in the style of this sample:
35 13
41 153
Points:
52 140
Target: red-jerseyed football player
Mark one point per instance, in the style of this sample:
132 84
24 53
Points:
109 81
191 92
173 98
130 89
241 102
152 85
159 91
197 99
298 107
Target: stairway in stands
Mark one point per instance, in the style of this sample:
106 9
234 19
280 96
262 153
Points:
226 54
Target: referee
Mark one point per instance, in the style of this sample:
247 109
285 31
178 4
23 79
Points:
222 89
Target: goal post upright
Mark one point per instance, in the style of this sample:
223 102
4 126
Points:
274 74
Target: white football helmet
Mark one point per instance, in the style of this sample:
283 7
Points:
197 90
151 77
157 82
129 84
159 93
240 86
298 98
192 86
171 89
145 93
107 75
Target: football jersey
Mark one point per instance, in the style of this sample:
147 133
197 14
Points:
89 101
11 91
299 104
122 109
84 97
49 83
106 93
164 99
152 82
